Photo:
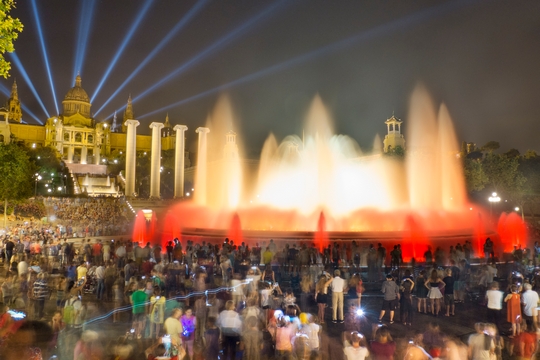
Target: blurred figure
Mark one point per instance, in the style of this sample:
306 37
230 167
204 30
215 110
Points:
252 339
88 347
29 342
211 339
356 347
524 344
481 345
383 347
415 349
421 292
189 323
230 326
494 303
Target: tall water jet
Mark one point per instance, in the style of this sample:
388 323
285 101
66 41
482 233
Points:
202 166
235 230
321 236
512 231
422 164
140 228
453 192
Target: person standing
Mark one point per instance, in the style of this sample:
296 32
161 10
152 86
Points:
406 308
529 299
173 327
337 284
494 304
100 276
449 282
138 300
391 294
230 326
513 309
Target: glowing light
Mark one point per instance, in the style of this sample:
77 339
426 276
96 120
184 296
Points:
19 66
85 20
126 40
59 188
216 46
516 208
368 35
180 25
187 194
44 51
49 190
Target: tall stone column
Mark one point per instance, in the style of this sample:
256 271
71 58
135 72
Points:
84 155
202 166
179 161
131 161
155 162
97 154
70 154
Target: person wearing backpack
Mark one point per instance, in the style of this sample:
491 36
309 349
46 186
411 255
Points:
72 309
157 312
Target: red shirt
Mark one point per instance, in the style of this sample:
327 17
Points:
96 249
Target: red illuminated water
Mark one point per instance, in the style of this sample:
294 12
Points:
321 236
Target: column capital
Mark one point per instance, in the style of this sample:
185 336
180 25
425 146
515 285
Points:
203 130
156 125
132 122
180 128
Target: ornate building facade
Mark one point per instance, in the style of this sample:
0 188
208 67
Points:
74 133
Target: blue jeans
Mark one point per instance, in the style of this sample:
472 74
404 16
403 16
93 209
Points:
100 289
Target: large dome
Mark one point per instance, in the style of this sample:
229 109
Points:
77 92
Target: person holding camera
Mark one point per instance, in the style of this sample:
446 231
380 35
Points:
391 296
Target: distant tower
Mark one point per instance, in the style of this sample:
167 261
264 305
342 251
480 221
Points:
114 124
128 114
394 137
14 105
230 152
167 128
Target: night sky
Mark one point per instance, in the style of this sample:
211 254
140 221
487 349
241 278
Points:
363 57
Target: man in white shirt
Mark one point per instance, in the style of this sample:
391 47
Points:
120 255
337 285
494 304
529 298
100 276
173 327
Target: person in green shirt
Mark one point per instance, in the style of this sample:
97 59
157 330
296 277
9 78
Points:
139 300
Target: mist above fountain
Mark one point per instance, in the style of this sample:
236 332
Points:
327 176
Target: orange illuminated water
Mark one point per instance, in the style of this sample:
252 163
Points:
325 181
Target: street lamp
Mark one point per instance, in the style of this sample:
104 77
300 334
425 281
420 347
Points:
493 199
38 177
522 215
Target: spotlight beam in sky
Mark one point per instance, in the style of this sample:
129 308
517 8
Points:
125 42
216 46
181 24
22 70
7 92
44 51
371 34
85 20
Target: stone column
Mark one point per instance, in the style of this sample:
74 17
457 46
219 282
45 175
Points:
179 161
70 154
84 155
97 154
131 161
201 172
155 162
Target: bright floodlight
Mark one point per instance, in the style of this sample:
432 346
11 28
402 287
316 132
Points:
516 208
494 194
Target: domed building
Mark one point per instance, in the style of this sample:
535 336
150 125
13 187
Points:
74 133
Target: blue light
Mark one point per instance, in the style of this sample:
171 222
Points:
7 92
218 45
126 40
85 20
367 35
44 51
181 24
22 70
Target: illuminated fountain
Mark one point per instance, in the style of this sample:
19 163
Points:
322 187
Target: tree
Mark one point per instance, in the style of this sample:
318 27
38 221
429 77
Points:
530 154
491 146
17 174
475 177
397 152
502 173
512 153
9 32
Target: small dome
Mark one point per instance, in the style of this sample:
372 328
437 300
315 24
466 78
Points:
77 92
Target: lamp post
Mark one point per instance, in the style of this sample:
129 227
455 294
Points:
522 215
494 198
38 177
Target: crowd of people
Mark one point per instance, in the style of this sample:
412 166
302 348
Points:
262 302
111 210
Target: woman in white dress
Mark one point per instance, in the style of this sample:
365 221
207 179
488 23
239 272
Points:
434 285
